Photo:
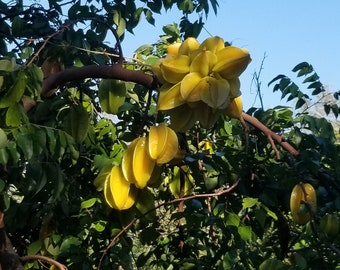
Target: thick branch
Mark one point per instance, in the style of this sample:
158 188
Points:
115 71
270 134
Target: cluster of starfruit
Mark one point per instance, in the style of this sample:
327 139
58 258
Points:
200 81
140 165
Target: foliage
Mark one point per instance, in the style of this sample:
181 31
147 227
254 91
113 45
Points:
235 213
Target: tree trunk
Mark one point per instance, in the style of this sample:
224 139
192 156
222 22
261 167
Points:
9 259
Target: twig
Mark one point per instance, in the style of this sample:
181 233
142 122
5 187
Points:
256 79
43 258
67 26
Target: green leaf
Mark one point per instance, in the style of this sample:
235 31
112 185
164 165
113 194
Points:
34 247
18 26
2 185
88 203
269 212
119 21
300 103
335 110
15 115
245 232
232 219
3 156
273 264
249 202
187 6
99 226
68 243
7 64
304 68
25 143
51 140
148 16
99 181
13 152
15 92
277 78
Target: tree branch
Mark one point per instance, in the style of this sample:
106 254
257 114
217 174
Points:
271 135
115 71
57 265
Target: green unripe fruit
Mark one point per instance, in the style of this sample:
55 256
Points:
111 95
330 225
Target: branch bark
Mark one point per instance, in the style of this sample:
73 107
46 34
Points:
115 71
271 135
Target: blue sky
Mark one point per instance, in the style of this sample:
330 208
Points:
287 32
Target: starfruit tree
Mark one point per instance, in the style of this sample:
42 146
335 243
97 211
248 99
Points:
149 161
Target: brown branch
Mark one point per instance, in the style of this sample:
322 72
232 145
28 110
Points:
58 265
271 135
115 71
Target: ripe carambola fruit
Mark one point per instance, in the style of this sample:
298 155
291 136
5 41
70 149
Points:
231 62
173 48
330 225
137 165
235 108
174 69
111 95
189 45
142 164
162 143
118 192
299 202
127 162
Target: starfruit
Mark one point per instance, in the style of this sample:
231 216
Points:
111 95
213 44
118 192
235 108
188 84
302 203
163 143
188 46
142 164
173 48
231 62
174 69
170 96
127 162
216 93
